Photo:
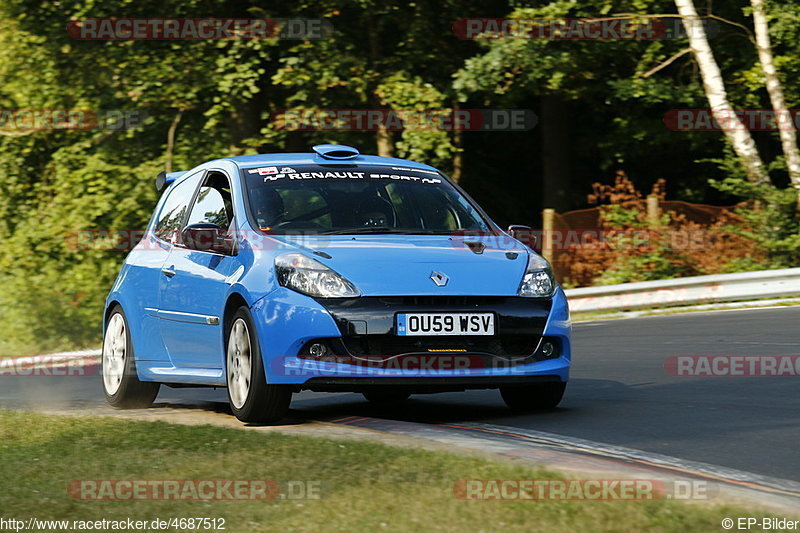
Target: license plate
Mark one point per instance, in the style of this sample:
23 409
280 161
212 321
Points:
445 324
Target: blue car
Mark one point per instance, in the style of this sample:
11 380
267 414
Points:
330 271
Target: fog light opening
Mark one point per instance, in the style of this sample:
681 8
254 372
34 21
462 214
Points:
318 350
548 349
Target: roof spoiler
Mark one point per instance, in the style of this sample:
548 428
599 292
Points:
164 178
336 151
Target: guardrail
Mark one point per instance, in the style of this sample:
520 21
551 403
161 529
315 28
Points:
687 291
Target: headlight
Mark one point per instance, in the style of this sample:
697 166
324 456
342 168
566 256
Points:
538 281
303 274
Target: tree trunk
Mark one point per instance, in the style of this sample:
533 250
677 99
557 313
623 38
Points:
783 118
171 140
243 123
458 142
383 137
735 131
555 153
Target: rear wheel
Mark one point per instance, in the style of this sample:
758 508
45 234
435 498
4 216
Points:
121 384
538 396
386 396
251 398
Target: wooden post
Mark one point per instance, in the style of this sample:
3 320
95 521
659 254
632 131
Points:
653 212
548 216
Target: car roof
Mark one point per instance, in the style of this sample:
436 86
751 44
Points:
250 161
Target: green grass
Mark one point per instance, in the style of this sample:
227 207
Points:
13 351
586 316
364 486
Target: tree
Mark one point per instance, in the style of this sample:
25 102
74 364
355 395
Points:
784 121
595 102
735 131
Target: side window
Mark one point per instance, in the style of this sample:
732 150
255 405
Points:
170 219
214 204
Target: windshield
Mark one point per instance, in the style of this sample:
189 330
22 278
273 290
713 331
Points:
348 198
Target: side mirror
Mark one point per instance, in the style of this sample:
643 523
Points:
161 181
523 234
206 238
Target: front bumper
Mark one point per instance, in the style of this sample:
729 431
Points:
364 351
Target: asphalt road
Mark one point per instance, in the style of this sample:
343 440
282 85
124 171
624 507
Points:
619 394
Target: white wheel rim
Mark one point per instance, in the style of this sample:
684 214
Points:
115 352
239 359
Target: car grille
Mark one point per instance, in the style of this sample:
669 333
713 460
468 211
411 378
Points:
392 345
442 301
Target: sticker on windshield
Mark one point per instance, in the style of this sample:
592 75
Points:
325 175
385 173
263 171
416 170
403 177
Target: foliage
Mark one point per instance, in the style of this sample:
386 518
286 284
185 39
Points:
222 97
631 247
770 219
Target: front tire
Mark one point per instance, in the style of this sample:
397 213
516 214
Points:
539 396
121 385
252 400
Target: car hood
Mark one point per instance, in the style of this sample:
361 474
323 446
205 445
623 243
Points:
402 265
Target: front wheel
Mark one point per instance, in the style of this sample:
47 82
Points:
538 396
121 384
251 398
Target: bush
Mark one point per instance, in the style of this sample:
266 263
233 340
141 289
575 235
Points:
59 289
630 247
769 219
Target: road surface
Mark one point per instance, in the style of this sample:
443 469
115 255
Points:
619 394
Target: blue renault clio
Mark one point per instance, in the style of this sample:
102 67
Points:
330 271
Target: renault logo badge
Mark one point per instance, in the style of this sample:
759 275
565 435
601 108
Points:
439 279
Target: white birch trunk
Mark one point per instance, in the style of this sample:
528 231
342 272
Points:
783 117
735 131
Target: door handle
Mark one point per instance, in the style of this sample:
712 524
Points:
169 272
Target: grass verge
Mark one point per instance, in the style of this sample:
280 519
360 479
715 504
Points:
363 486
589 316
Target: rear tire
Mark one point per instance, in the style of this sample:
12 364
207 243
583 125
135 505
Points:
539 396
252 400
121 385
386 396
